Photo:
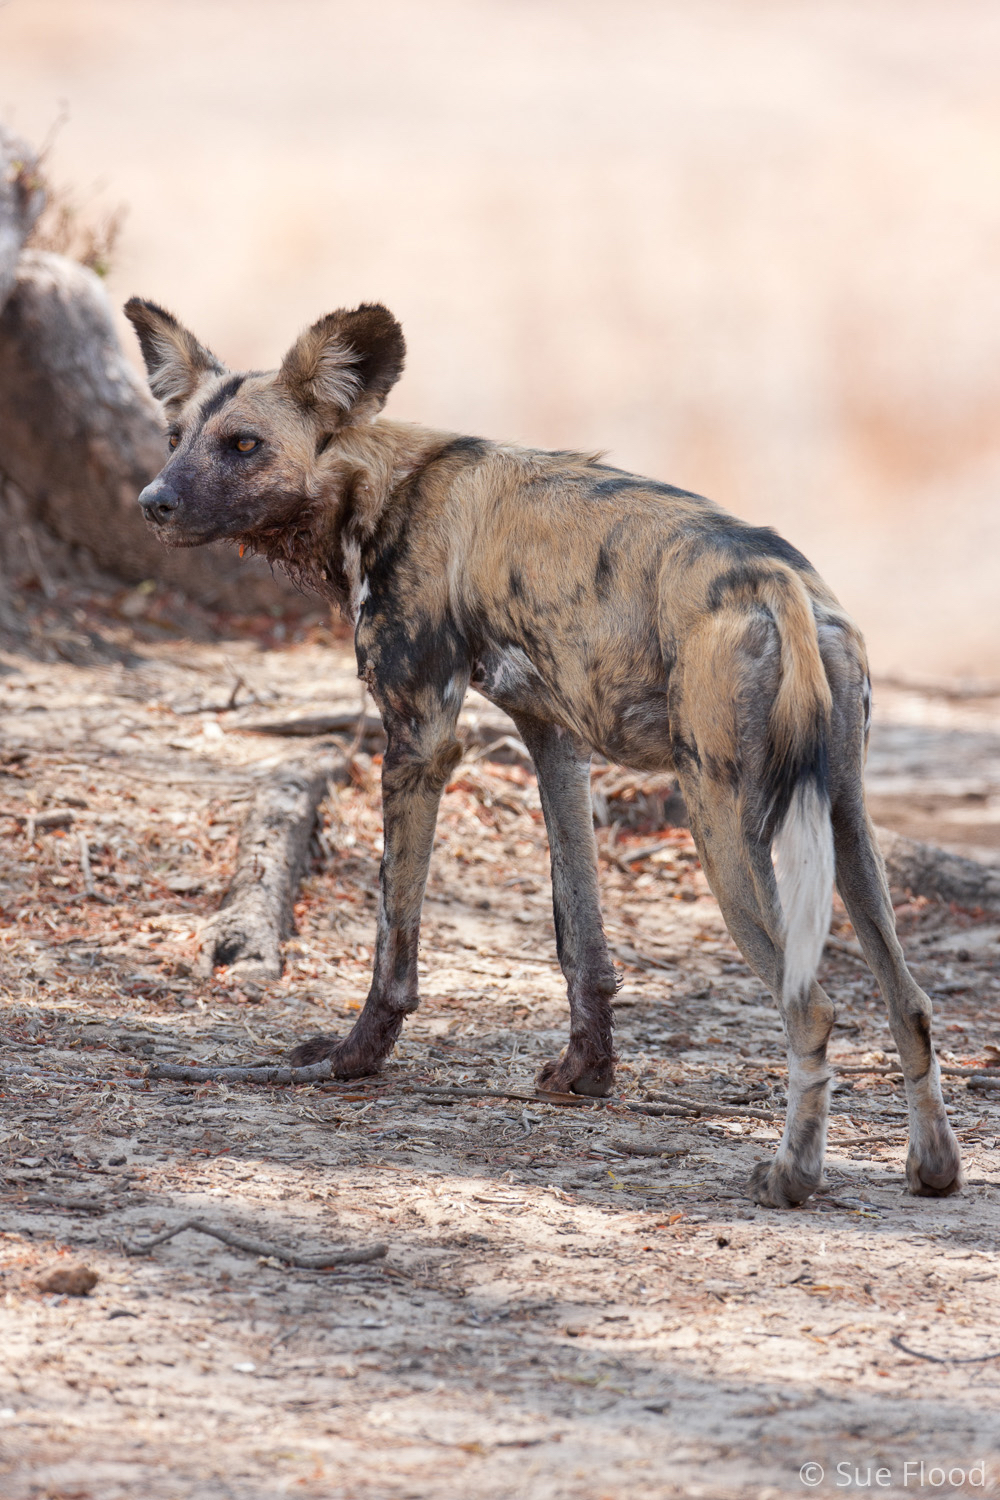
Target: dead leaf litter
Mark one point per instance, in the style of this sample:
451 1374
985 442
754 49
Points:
578 1300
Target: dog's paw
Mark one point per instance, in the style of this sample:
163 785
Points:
347 1061
781 1184
313 1050
934 1168
564 1077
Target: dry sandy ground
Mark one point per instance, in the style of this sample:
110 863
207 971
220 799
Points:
576 1301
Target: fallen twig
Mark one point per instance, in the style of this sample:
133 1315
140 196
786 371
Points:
839 945
628 1148
214 708
540 1096
252 1246
321 1072
950 1359
681 1101
625 860
52 1077
255 1073
504 742
637 960
74 1205
85 870
58 818
364 726
256 912
949 1070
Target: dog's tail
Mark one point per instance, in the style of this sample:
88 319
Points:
796 804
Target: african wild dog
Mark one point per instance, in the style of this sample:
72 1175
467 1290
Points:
599 610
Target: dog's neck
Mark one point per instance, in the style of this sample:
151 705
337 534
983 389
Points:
355 479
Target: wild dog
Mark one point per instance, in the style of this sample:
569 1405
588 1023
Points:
601 611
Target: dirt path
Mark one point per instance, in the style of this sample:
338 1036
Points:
576 1301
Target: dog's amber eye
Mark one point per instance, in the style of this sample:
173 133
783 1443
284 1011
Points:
173 440
246 444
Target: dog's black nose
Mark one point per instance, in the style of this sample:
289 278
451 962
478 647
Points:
159 502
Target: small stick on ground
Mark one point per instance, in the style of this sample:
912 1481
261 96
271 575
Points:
541 1096
53 1077
505 742
838 945
700 1106
364 726
59 818
631 857
950 1359
948 1070
630 957
252 1246
85 870
256 912
631 1148
71 1205
263 1073
321 1072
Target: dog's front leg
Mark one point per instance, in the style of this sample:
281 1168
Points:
419 760
563 766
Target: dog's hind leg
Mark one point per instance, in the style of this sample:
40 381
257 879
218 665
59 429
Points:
563 766
740 873
420 756
933 1164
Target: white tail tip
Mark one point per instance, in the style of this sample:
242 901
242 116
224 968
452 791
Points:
802 853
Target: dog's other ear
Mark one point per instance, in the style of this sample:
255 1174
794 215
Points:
345 365
175 361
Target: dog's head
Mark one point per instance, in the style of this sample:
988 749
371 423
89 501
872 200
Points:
246 451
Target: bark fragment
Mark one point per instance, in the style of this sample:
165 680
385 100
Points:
925 870
256 913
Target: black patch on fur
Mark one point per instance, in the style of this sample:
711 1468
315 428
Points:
810 762
515 583
724 771
557 922
470 448
685 754
409 648
604 572
217 400
751 542
735 580
623 482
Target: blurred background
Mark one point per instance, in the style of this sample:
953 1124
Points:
748 246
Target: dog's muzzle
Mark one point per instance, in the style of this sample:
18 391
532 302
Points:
159 502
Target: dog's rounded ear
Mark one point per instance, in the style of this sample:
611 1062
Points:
176 363
345 365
